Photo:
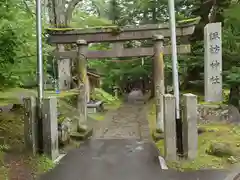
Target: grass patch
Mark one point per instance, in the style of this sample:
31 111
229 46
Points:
3 168
216 133
11 96
201 100
151 116
12 145
97 116
3 173
12 126
40 164
110 103
108 99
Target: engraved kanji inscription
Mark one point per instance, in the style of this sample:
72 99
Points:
214 64
214 36
214 49
215 80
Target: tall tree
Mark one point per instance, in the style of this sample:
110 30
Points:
60 12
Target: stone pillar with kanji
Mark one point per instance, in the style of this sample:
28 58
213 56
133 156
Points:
213 62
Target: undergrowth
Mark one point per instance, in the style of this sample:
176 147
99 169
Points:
214 133
12 145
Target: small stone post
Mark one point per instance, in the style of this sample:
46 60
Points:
115 89
190 131
82 82
31 125
170 149
159 86
50 128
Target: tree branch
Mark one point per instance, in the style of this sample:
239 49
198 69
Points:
213 12
28 9
71 6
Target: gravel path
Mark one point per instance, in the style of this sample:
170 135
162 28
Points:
127 122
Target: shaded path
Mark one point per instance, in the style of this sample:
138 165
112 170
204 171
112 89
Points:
121 150
127 122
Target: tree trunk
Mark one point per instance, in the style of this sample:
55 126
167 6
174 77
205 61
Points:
60 14
234 96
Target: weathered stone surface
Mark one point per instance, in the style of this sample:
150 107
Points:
82 128
213 62
31 133
64 74
220 150
80 136
127 122
233 115
64 131
170 149
50 128
157 136
96 106
190 132
211 112
158 76
82 82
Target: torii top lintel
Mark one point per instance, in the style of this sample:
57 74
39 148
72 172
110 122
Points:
115 34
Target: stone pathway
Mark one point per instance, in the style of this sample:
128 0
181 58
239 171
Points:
121 149
127 122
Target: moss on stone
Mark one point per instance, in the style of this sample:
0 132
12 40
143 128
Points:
190 20
113 29
157 136
220 149
222 134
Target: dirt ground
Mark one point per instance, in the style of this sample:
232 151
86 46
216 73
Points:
15 162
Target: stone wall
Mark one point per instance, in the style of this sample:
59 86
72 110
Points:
218 113
212 112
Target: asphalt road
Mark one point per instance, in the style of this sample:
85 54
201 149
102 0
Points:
119 159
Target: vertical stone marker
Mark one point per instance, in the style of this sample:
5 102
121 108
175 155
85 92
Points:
213 62
31 125
170 147
190 131
159 86
82 82
50 128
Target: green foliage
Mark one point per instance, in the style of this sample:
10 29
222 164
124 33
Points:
190 67
231 42
101 95
44 164
86 20
17 44
212 141
18 41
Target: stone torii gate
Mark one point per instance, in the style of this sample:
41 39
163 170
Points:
116 36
